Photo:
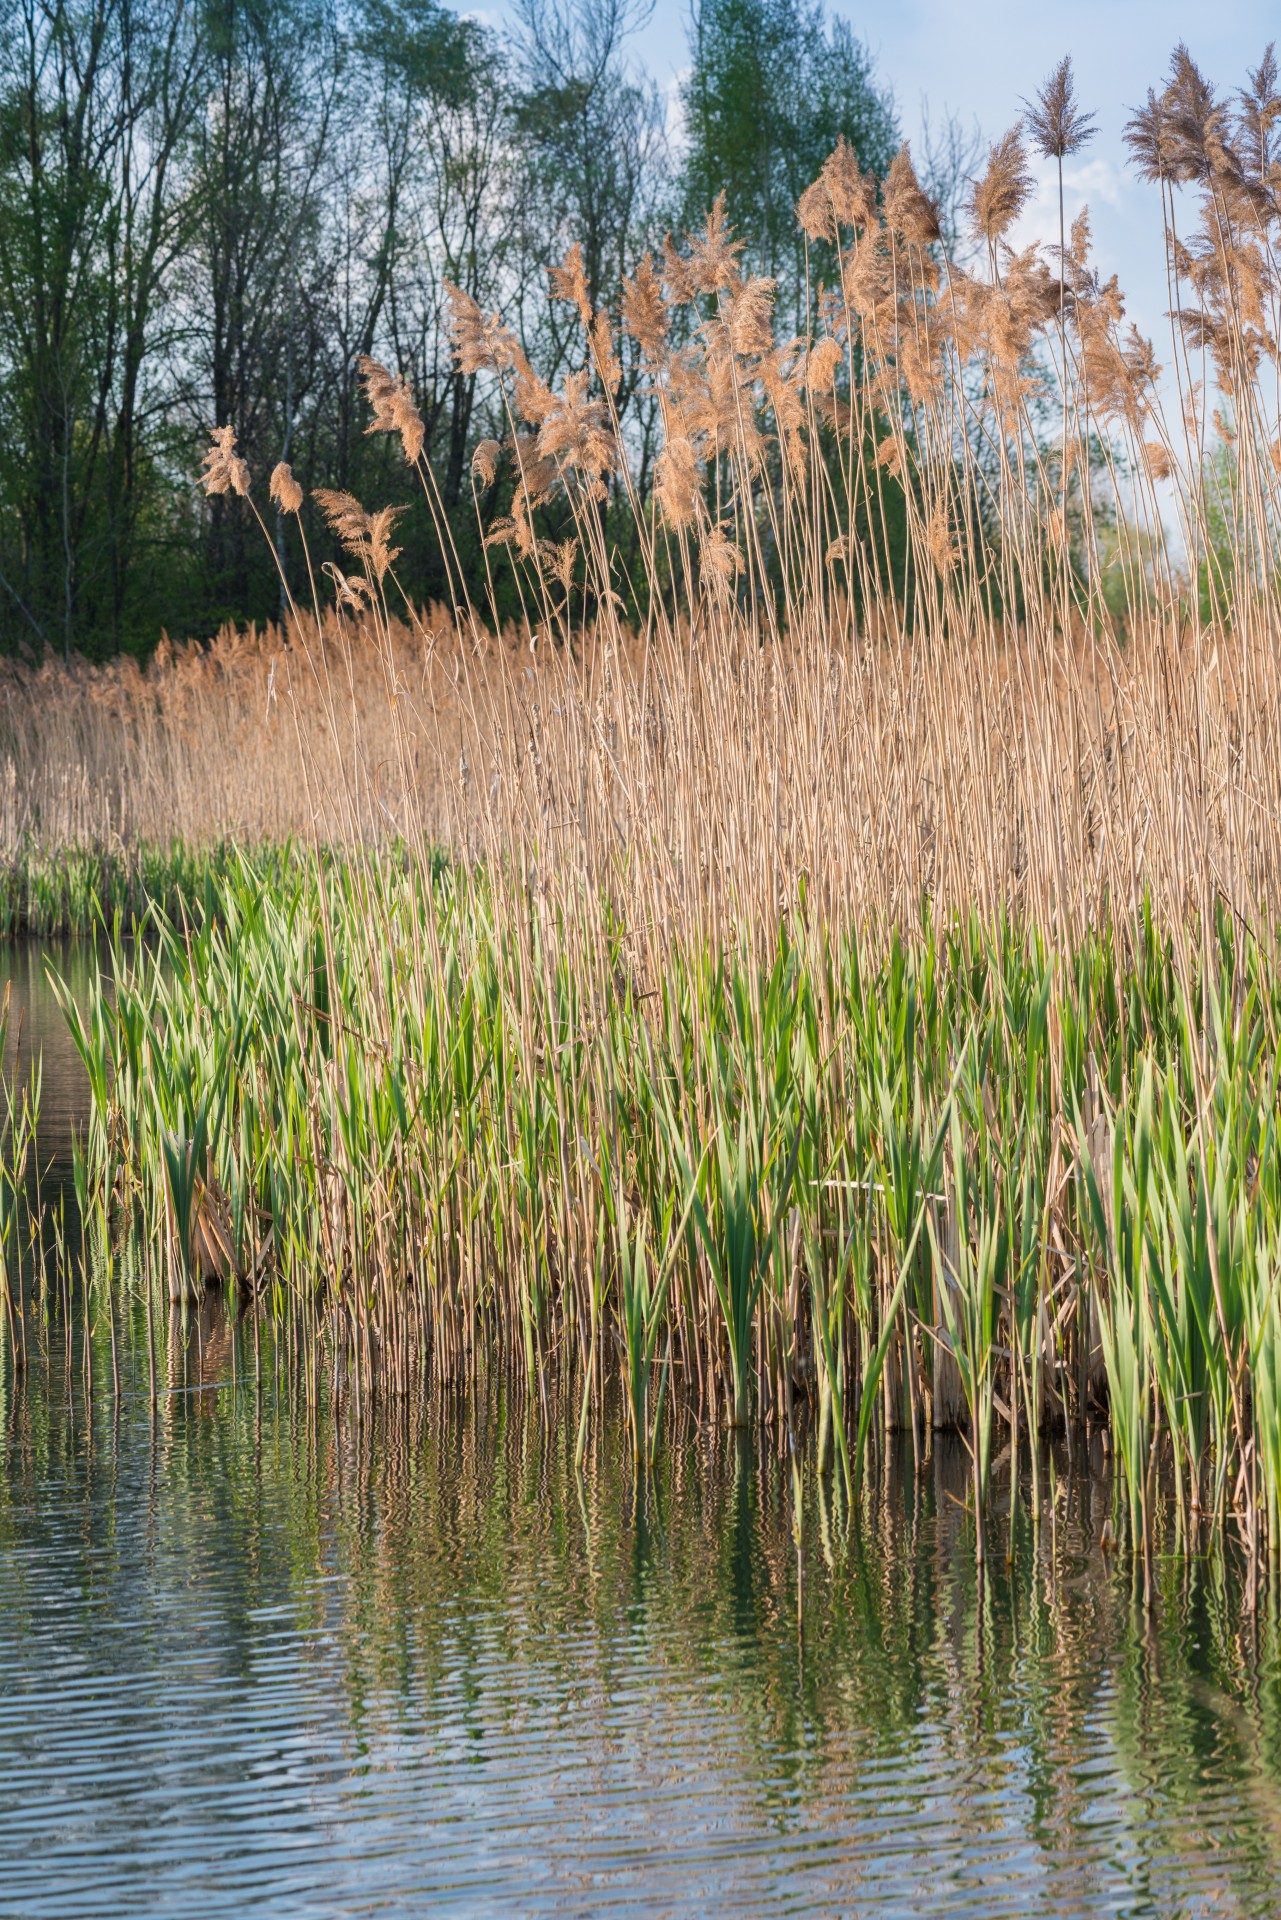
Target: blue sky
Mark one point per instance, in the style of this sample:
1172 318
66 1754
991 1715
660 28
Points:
983 58
980 59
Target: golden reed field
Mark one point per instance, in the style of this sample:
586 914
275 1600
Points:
850 982
969 596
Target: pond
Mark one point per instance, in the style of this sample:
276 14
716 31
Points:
257 1658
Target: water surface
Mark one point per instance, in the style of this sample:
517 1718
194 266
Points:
257 1659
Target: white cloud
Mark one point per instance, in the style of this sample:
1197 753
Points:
1087 183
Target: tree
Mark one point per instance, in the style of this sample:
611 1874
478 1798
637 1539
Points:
771 87
95 100
594 149
253 286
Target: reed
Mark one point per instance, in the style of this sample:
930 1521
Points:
21 1208
430 1159
68 891
850 971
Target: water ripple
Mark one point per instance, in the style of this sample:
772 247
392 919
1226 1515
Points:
428 1670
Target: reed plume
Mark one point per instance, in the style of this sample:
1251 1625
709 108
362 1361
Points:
876 903
284 490
224 470
1002 193
1055 121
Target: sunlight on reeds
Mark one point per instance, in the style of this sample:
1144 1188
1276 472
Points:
853 983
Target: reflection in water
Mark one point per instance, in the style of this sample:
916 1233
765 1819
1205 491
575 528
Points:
257 1659
36 1027
201 1348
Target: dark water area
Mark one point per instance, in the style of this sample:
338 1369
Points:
37 1033
258 1658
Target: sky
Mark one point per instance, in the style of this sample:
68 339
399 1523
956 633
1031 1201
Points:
981 59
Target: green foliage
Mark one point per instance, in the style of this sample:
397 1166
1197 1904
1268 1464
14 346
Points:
829 1174
772 86
76 892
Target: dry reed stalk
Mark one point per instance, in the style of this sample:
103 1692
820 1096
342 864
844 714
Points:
808 731
796 701
723 770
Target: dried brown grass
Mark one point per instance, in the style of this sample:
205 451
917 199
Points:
790 715
700 781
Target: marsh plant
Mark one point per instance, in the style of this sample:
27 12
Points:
834 982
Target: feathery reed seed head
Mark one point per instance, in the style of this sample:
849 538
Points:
393 407
225 471
1001 195
909 210
284 489
1056 124
842 196
569 282
484 462
365 535
481 344
645 314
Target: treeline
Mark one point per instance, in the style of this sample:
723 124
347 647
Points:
210 210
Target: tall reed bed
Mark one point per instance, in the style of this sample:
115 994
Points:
70 891
958 1182
202 744
852 985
